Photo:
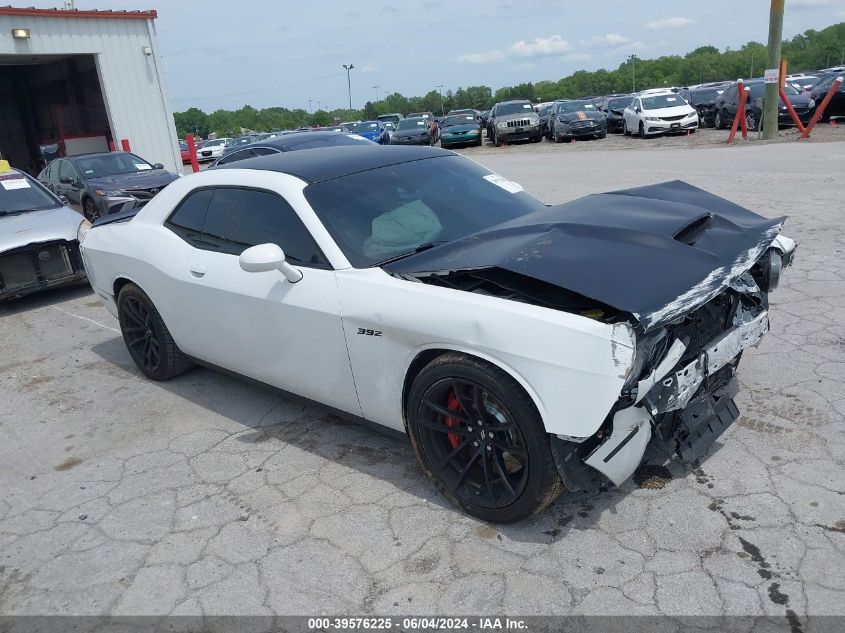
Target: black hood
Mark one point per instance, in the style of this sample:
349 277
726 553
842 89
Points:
580 115
412 132
140 180
655 252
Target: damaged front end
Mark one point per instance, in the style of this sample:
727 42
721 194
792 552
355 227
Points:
681 390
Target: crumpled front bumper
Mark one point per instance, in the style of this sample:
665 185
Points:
671 389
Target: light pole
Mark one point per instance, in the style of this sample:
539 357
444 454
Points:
348 68
309 106
440 91
376 87
632 58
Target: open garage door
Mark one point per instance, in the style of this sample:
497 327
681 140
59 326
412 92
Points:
50 106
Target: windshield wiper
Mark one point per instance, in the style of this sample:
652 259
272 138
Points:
418 249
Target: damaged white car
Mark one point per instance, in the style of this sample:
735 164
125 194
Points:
524 348
39 237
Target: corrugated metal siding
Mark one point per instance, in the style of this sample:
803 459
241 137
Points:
133 89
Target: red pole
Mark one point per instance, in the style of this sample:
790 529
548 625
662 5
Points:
740 111
793 113
743 121
111 145
820 110
192 150
124 143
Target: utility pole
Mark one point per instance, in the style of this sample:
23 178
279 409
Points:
751 74
309 106
440 90
633 58
348 68
770 104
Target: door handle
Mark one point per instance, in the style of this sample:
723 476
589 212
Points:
197 270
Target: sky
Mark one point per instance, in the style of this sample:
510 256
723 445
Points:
266 53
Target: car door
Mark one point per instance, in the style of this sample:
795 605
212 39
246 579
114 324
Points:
260 325
69 184
730 101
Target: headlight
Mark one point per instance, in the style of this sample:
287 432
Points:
812 103
109 192
652 118
83 229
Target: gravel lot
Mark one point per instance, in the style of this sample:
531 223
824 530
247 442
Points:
208 495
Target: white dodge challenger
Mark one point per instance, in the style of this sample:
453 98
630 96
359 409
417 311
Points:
524 348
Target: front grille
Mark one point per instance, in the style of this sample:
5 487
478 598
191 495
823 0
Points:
702 326
673 118
144 194
582 124
33 265
519 123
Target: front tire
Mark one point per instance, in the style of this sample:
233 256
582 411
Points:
642 130
146 336
89 211
479 438
718 121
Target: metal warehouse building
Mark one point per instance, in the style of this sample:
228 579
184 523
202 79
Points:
73 82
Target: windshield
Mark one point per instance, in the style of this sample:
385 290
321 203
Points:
704 96
465 119
463 111
21 193
183 146
366 126
412 124
658 102
380 214
214 143
618 104
111 164
514 108
576 106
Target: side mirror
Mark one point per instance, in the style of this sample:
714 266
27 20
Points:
637 110
64 200
266 257
158 166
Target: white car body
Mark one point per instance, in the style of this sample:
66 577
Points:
677 118
212 149
572 366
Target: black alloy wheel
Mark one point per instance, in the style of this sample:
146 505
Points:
488 453
642 130
751 121
147 338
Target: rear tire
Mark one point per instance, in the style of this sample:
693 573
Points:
146 336
501 470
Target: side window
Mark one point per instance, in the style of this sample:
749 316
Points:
730 95
236 156
188 218
264 151
64 170
240 218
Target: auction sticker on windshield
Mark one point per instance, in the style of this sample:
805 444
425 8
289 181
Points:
504 183
15 182
142 166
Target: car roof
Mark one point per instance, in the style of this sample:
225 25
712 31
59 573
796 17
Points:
513 101
328 163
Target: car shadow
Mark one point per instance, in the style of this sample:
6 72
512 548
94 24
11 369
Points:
44 298
382 454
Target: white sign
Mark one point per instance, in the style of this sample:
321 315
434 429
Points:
17 183
504 183
771 76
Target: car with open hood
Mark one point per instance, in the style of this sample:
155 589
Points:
460 129
413 131
576 119
703 99
523 348
613 106
514 121
106 182
727 104
39 236
658 112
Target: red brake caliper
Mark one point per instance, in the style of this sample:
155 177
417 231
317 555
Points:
453 404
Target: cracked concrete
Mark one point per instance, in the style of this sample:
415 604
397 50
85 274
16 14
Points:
205 495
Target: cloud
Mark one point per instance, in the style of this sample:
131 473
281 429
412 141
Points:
668 23
552 46
610 40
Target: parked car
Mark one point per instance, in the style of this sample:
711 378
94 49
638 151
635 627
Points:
658 113
185 151
460 129
432 122
39 236
514 121
416 131
576 119
525 349
836 107
613 107
105 182
373 131
484 116
727 105
704 102
469 111
294 141
212 149
393 117
240 141
544 112
803 82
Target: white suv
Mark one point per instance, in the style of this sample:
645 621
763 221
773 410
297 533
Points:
657 113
